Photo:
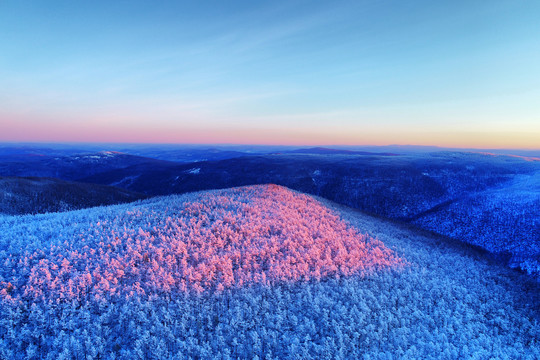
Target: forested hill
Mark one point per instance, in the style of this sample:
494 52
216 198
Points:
391 186
74 167
30 195
256 271
470 196
484 199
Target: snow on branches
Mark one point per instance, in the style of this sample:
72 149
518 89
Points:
197 242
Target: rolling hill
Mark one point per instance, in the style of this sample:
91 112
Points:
422 189
398 187
30 195
331 151
505 220
452 193
255 271
74 167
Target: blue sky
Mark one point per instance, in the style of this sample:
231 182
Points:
459 73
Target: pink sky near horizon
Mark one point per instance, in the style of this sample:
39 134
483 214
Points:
106 131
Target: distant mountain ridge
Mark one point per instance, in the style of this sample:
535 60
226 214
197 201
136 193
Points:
76 166
331 151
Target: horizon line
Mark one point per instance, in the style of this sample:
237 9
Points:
30 142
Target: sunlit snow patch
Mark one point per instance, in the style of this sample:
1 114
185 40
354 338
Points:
193 171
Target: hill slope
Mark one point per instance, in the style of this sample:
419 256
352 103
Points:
102 286
450 193
30 195
74 167
505 220
330 151
260 234
398 187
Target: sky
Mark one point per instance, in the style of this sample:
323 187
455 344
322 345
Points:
444 73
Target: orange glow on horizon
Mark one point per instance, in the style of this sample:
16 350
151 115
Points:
109 131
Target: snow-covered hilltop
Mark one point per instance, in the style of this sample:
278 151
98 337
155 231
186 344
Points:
202 241
253 272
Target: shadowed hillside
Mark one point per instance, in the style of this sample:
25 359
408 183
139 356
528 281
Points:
74 167
30 195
